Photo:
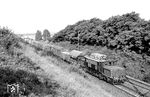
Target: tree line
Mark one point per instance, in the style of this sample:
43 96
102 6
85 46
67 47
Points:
126 32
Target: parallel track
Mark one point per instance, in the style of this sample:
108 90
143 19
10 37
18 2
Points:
139 86
127 90
139 83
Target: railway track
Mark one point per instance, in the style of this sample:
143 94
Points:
135 87
139 83
127 90
139 86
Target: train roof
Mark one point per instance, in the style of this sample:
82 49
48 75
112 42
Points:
96 57
66 52
113 68
98 54
97 60
75 53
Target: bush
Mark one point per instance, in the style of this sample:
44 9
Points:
8 40
26 80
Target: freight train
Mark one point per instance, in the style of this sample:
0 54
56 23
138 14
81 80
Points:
94 63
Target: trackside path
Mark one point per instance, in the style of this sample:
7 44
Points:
83 87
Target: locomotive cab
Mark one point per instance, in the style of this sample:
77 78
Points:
115 74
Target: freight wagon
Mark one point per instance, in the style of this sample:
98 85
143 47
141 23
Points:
105 69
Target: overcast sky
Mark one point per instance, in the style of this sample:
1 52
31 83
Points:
28 16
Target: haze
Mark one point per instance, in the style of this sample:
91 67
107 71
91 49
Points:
28 16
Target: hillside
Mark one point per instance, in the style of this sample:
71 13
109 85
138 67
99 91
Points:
126 36
16 68
39 75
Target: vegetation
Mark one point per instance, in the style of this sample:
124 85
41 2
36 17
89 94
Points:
46 35
66 66
128 36
38 35
17 68
28 83
8 41
128 31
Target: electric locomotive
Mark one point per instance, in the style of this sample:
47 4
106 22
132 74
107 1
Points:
103 68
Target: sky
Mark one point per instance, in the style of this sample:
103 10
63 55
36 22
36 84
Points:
28 16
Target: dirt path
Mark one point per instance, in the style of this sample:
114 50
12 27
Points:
83 87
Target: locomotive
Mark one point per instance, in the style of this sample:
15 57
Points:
99 66
93 63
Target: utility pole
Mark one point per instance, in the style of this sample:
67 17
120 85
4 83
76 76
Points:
78 41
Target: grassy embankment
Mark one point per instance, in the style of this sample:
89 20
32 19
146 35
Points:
17 68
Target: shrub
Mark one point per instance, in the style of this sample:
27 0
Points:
8 40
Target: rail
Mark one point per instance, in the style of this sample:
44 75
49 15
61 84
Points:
139 81
127 90
140 87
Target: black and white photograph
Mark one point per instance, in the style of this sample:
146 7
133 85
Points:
74 48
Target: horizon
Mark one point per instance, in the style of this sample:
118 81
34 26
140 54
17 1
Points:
26 16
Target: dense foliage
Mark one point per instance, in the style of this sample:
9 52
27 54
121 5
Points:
128 31
128 35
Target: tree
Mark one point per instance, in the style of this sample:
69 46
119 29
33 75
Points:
46 35
38 35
